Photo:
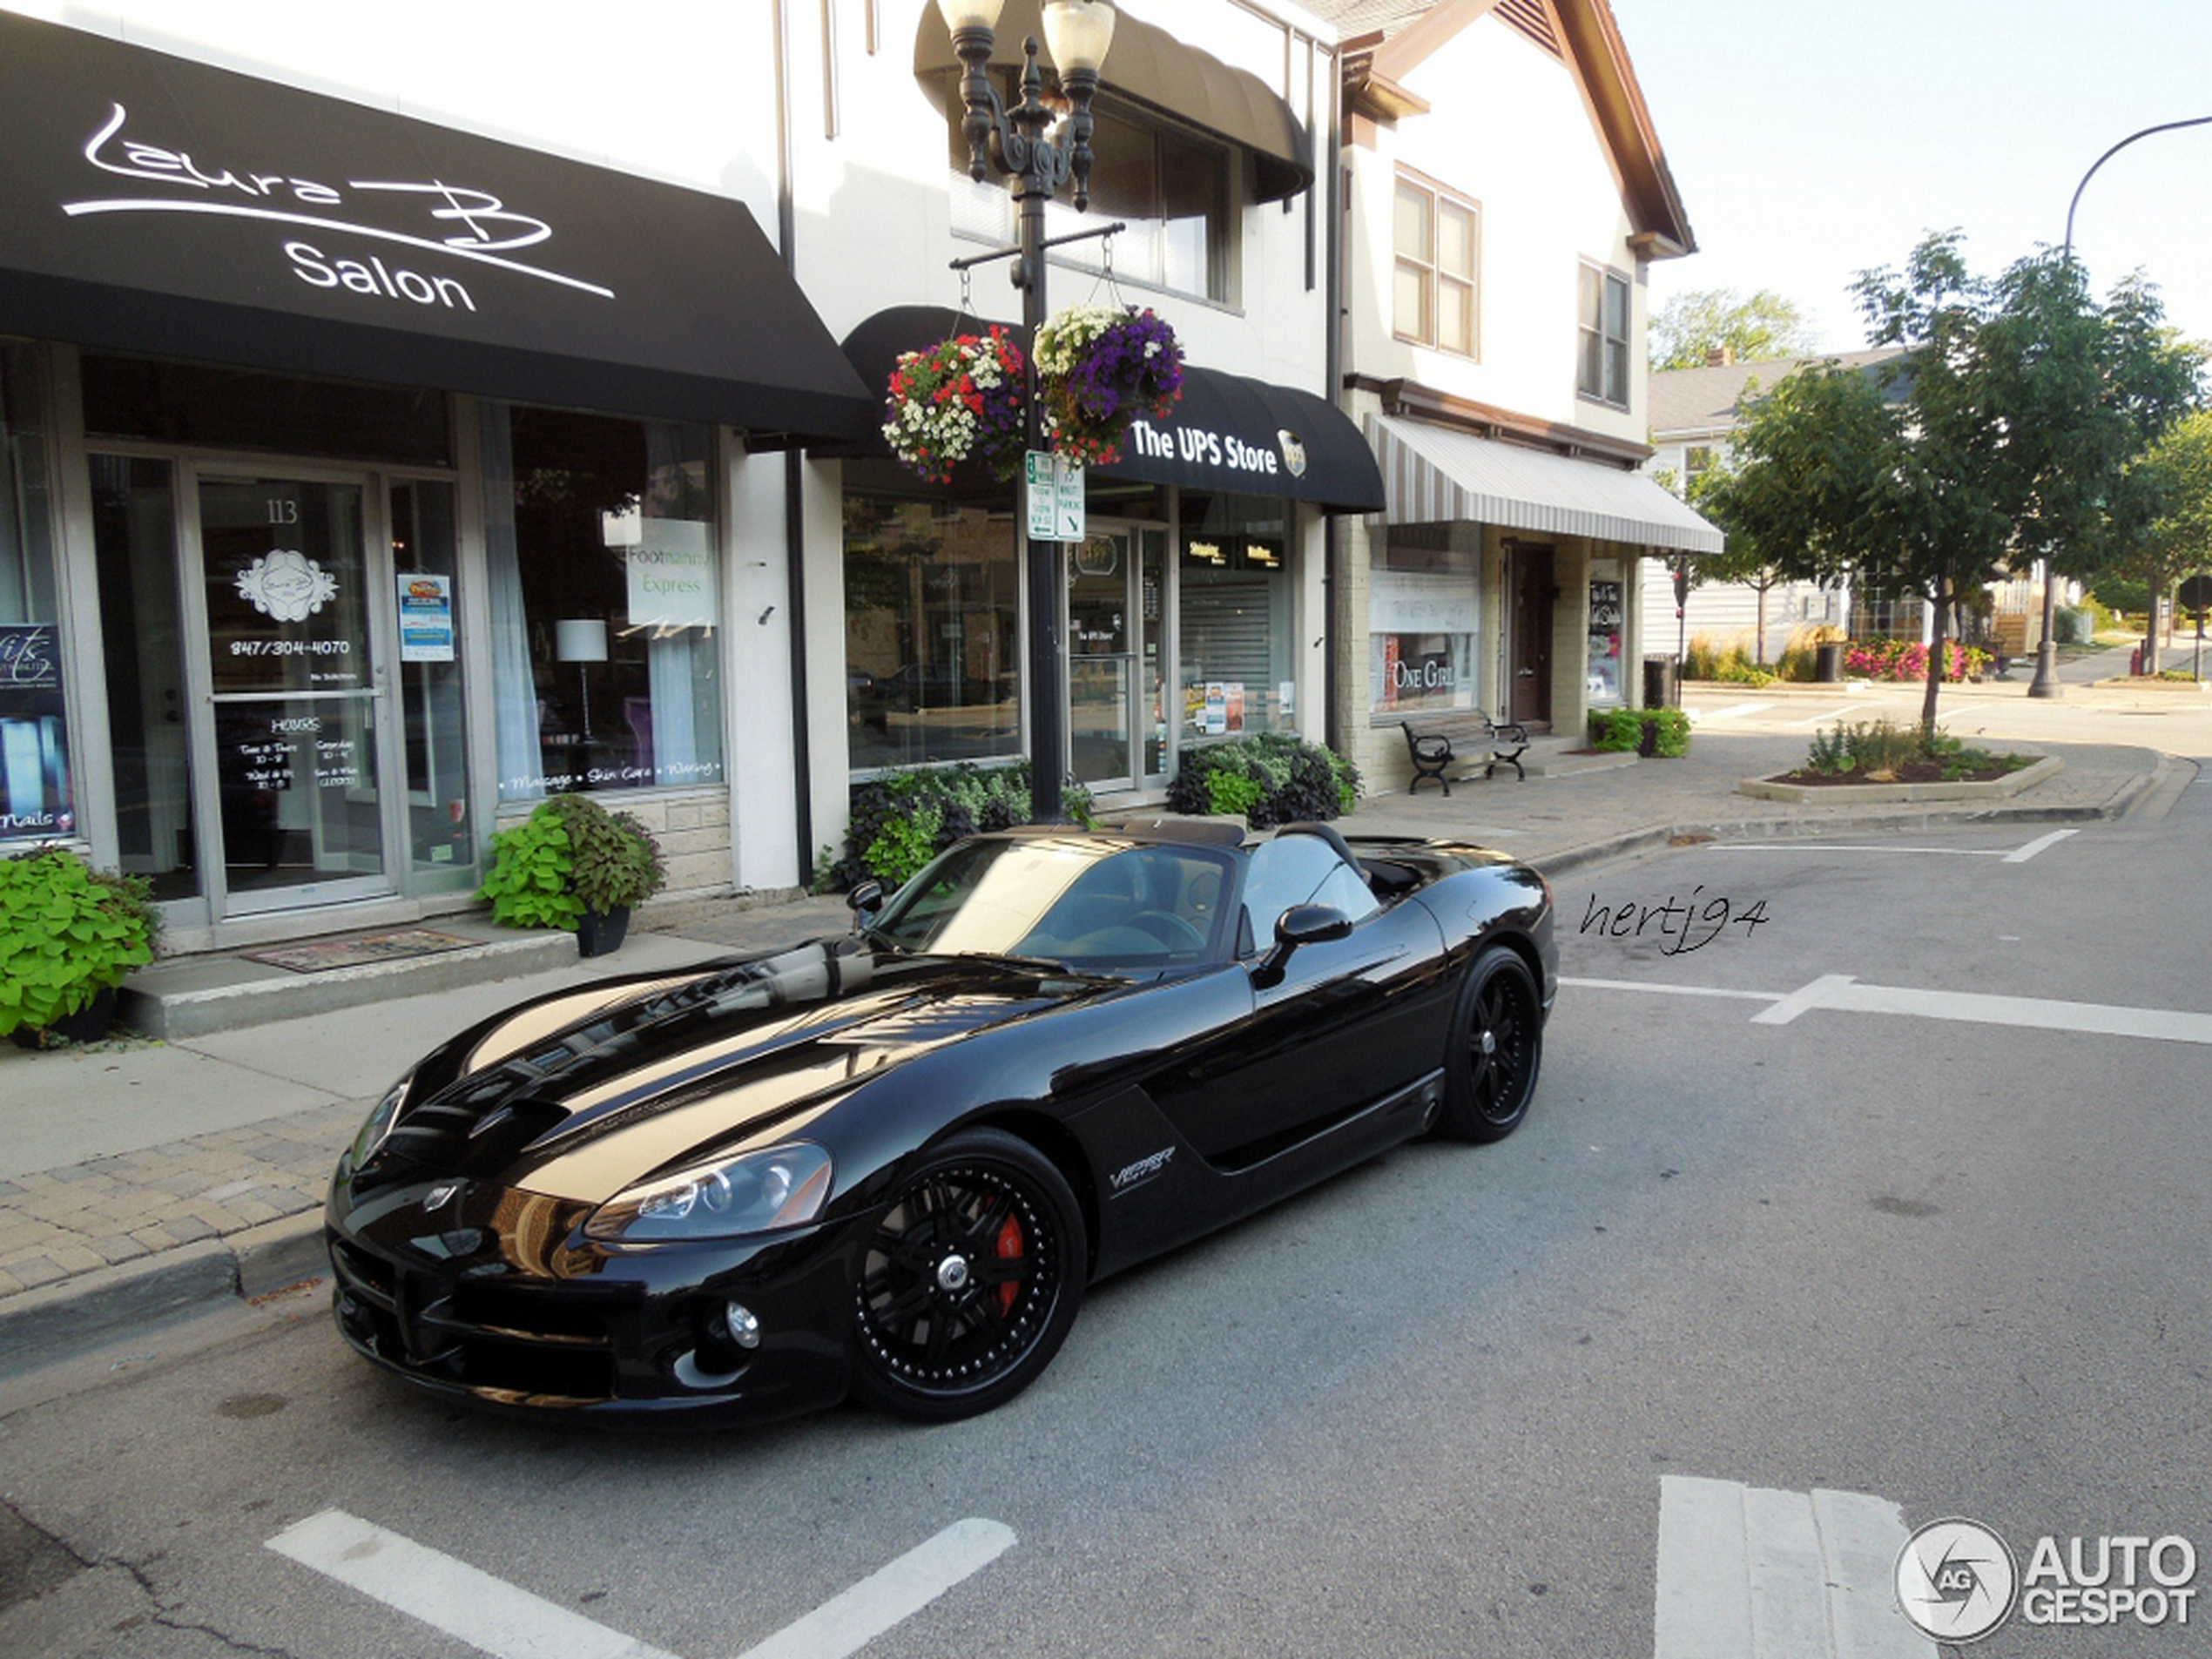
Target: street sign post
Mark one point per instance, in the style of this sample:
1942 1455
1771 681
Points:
1056 498
2196 596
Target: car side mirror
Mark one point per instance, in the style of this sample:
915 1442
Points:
1302 924
866 898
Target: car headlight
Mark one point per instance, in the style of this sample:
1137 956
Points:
783 1186
379 1121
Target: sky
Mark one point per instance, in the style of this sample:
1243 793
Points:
1811 140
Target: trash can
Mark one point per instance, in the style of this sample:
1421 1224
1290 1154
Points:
1661 685
1828 661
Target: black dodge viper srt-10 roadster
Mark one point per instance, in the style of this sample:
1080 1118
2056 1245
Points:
887 1164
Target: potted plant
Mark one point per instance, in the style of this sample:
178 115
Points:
1098 369
69 937
574 865
959 400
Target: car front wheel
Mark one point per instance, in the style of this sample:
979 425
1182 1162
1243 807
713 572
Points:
970 1281
1497 1045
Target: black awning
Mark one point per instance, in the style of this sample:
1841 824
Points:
1229 432
152 204
1151 66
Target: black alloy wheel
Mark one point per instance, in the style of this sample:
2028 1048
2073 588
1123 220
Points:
970 1281
1497 1047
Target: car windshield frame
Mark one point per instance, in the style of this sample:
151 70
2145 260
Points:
1073 900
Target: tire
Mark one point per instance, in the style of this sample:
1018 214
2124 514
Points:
1497 1050
970 1281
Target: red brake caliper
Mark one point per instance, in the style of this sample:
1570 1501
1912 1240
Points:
1008 1247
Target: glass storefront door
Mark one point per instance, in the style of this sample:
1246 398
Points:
1116 690
290 745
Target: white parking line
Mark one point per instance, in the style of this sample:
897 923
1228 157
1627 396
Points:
1752 1574
2018 855
510 1623
847 1623
1842 994
1835 714
1735 711
452 1596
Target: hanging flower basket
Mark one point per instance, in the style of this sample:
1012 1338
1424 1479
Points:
1097 370
959 400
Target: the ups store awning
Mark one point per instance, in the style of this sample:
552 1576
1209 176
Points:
152 204
1228 432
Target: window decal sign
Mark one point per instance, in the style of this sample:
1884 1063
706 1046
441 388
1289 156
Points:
286 585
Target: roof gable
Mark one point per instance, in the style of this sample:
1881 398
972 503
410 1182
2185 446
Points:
1585 37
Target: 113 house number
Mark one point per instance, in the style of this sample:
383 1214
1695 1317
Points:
282 511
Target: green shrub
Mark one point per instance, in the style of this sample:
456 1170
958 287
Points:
568 856
1268 779
1622 730
67 933
902 820
1880 745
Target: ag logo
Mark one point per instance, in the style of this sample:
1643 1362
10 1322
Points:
288 586
1956 1581
1293 452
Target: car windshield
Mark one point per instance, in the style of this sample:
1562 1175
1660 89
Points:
1064 899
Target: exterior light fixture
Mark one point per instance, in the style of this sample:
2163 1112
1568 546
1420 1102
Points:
1018 144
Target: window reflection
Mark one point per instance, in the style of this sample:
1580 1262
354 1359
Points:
931 633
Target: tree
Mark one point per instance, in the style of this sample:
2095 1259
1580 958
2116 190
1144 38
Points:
2169 490
1747 559
2022 402
1691 327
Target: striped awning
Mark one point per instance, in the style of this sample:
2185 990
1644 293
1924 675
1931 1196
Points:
1432 474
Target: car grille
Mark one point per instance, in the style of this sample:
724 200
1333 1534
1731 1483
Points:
557 1347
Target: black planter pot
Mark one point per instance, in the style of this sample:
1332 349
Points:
88 1024
599 933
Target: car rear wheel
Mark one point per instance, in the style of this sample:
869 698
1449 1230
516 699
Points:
970 1281
1497 1045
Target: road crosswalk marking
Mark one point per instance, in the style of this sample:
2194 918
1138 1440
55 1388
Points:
1748 1573
508 1622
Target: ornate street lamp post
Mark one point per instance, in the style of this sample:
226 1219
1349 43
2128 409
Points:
1014 142
2046 683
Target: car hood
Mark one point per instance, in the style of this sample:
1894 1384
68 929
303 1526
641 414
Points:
580 1095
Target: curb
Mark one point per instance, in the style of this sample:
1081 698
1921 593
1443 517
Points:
88 1309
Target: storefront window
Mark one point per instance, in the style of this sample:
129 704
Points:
1606 609
36 791
603 559
1422 621
1236 635
932 644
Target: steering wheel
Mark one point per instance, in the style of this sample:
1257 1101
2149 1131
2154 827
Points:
1170 929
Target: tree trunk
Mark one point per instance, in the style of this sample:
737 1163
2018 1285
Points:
1758 653
1935 659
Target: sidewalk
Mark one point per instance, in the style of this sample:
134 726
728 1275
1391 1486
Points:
139 1179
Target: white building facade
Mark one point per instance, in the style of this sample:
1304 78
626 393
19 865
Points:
1507 194
396 435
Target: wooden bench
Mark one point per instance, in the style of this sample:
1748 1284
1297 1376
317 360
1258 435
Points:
1436 740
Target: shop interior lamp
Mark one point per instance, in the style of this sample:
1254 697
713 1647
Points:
581 640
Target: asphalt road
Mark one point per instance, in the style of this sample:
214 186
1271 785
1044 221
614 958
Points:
1861 1197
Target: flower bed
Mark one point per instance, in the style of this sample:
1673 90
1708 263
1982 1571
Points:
1893 659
